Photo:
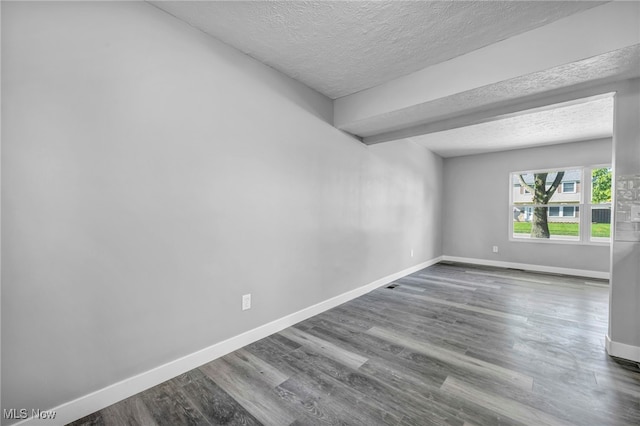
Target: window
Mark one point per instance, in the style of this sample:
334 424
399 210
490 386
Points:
562 211
547 205
600 226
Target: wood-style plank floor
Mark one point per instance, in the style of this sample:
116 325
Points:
452 344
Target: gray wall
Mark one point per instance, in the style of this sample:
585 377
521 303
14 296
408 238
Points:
624 292
152 175
476 206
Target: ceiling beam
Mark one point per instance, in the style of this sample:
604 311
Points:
560 98
591 47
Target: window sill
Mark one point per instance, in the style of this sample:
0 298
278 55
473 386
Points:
557 240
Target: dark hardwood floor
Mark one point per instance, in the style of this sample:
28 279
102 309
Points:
452 344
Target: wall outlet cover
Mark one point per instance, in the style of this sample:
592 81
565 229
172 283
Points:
246 302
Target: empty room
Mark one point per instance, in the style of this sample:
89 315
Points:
320 212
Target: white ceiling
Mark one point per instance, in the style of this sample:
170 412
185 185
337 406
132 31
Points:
568 122
455 110
341 47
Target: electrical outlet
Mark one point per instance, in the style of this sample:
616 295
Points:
495 249
246 302
411 252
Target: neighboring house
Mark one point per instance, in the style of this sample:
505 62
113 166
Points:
567 198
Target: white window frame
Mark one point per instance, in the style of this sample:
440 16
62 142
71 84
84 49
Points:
569 192
584 207
562 210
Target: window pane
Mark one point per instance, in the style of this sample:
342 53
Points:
601 185
538 187
601 223
546 222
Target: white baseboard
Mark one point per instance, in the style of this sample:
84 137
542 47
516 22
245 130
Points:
530 267
85 405
622 350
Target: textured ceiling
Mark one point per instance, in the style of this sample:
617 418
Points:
339 48
589 119
451 110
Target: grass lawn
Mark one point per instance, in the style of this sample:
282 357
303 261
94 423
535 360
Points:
572 229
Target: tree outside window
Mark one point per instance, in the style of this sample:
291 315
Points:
571 204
